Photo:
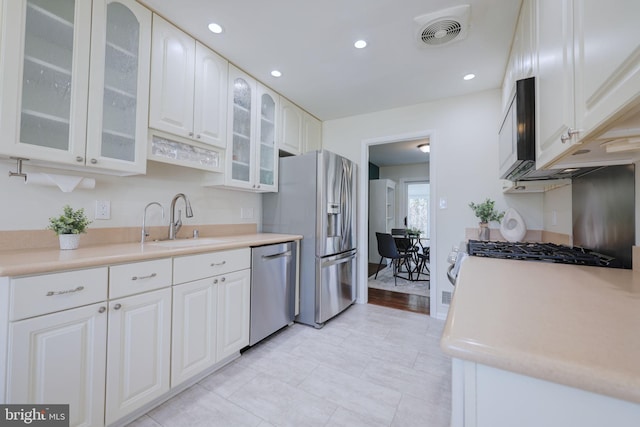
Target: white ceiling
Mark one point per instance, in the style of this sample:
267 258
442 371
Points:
311 43
398 153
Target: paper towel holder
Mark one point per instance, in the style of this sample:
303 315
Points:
19 173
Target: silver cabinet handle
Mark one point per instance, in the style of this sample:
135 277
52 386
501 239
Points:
144 277
570 133
215 281
117 306
217 264
274 256
223 279
198 136
94 161
190 133
68 291
79 159
102 309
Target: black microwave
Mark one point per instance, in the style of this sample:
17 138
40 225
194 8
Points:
517 136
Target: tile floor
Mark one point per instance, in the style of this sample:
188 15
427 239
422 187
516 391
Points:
370 366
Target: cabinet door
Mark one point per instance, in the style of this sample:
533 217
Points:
60 358
119 86
266 161
233 312
193 347
291 117
45 79
312 133
554 86
242 100
138 351
210 97
607 54
172 79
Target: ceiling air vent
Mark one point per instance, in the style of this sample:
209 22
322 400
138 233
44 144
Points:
445 26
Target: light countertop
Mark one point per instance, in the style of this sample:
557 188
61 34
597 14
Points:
573 325
35 261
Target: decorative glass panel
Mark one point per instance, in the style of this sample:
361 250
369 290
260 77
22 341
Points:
46 85
173 150
241 142
267 139
120 84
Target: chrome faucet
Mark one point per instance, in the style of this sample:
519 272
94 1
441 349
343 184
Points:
174 225
144 220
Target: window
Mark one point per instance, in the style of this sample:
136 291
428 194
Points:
418 206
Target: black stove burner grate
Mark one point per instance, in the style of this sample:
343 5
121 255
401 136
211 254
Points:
549 252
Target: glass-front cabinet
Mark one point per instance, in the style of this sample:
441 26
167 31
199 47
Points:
117 126
51 109
251 152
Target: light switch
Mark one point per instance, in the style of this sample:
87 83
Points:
246 213
443 203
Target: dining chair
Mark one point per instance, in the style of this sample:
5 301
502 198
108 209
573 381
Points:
387 249
405 244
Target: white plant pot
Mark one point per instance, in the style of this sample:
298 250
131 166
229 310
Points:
69 241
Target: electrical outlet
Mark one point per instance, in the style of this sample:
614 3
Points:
103 209
246 213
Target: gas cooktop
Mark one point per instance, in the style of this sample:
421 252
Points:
549 252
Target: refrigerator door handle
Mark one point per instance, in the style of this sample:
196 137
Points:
338 259
274 256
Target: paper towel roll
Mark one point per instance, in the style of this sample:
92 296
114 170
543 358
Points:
66 183
512 226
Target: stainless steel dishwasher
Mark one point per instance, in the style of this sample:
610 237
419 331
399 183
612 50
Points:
273 273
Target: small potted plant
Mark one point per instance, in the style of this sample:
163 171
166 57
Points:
485 212
69 226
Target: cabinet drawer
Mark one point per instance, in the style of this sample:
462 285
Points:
194 267
36 295
129 279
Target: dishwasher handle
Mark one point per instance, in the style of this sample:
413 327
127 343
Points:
276 256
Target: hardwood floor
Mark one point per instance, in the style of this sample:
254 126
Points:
407 302
401 301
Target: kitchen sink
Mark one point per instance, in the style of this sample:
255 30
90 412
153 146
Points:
184 243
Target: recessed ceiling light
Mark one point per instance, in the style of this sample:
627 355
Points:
276 73
469 76
215 28
360 44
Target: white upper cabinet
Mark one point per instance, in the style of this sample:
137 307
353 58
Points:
299 131
311 133
587 78
45 79
188 87
522 58
117 127
51 111
251 155
291 125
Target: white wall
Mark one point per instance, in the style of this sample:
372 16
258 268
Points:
28 207
464 165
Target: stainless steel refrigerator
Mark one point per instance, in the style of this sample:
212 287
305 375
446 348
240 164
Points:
316 198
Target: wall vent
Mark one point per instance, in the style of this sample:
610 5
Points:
443 27
446 297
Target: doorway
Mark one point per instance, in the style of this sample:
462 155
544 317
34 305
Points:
412 206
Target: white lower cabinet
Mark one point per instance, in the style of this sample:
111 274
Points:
138 351
109 341
194 329
59 358
483 396
233 312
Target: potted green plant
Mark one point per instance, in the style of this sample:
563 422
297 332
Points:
486 213
69 226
